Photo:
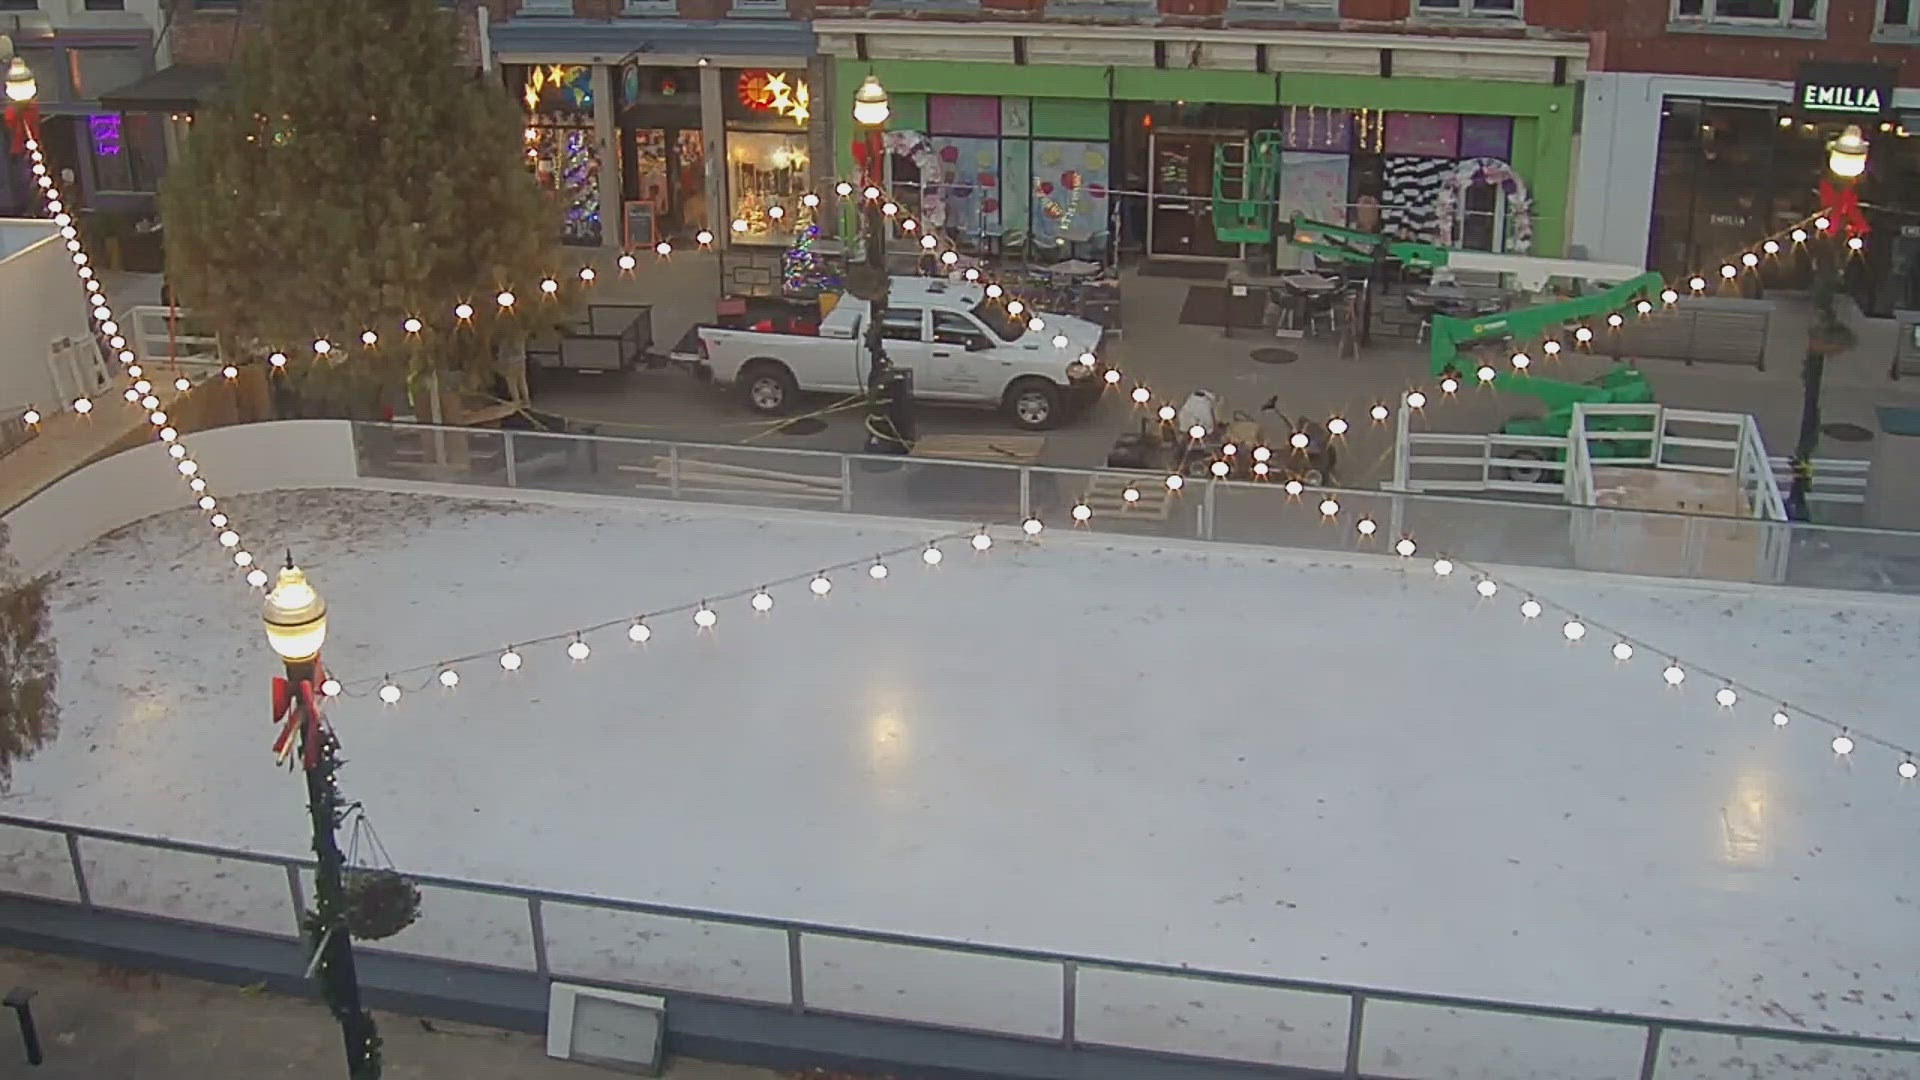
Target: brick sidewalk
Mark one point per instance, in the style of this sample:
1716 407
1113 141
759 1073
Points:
99 1022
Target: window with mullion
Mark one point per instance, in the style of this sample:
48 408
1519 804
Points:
1898 15
1498 8
1795 13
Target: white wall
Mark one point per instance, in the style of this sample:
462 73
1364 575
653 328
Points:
40 300
141 482
1619 145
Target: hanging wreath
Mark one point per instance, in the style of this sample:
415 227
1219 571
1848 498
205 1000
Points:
1449 209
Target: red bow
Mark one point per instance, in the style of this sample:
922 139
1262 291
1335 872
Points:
23 119
1843 205
288 719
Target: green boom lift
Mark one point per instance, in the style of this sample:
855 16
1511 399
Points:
1352 245
1623 385
1253 172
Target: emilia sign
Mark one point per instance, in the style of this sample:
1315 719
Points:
1854 89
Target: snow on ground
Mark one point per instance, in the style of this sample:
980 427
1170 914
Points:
1313 766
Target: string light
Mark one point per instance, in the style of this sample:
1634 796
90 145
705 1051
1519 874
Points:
1726 697
1486 587
1175 482
1442 566
1674 674
878 571
1366 526
1843 744
1032 526
1405 547
1380 411
1329 507
704 618
390 694
1622 651
510 660
1082 512
932 555
639 632
449 678
1573 629
1530 608
821 585
578 650
981 541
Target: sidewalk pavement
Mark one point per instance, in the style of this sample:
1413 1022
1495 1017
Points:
98 1022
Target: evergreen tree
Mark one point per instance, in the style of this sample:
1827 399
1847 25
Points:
29 671
355 174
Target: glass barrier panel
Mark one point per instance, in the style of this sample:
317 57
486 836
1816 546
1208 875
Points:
182 885
1860 560
1690 1055
34 862
458 924
436 455
585 464
960 491
1173 1015
1398 1039
754 476
932 986
1266 513
1155 510
667 953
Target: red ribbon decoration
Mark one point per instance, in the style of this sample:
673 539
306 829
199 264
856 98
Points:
282 697
1843 205
313 724
288 720
23 119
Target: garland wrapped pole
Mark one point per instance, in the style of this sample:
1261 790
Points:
296 621
887 390
1841 231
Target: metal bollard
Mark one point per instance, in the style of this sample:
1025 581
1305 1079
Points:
20 1000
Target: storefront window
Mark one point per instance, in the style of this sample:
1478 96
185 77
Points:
766 170
561 146
768 166
128 152
1006 173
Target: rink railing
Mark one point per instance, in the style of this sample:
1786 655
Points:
1072 1001
1512 531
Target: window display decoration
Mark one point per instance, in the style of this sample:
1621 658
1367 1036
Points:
1370 131
1450 202
778 93
918 148
767 175
567 162
559 88
805 272
1069 190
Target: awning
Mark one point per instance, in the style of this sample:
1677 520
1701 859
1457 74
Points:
664 42
180 88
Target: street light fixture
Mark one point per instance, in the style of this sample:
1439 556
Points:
21 87
885 386
295 616
1847 155
1847 160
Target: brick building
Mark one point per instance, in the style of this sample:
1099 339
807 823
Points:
1698 134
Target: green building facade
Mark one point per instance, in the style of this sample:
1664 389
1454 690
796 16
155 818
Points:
1058 156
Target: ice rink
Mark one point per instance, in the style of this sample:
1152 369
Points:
1313 766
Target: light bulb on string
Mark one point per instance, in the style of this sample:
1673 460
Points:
1780 717
820 585
1442 567
463 311
1673 673
1082 512
243 558
774 212
809 200
1015 307
704 617
1622 651
278 359
878 571
1697 283
949 258
1485 373
321 346
928 243
1855 243
1298 440
367 338
1219 469
1530 608
83 406
1771 247
412 325
932 555
1261 453
843 189
578 649
219 521
1175 482
176 451
1750 260
150 402
1823 223
1449 384
627 262
1405 547
1329 507
1486 588
981 541
1582 334
131 394
1032 526
1573 630
1799 236
1551 348
1727 271
1616 321
1261 468
1521 361
1112 377
762 600
1366 526
206 502
330 687
639 632
1130 494
1415 400
1166 414
1909 770
1842 744
229 538
994 291
1726 696
449 678
1337 425
510 660
390 693
256 577
587 274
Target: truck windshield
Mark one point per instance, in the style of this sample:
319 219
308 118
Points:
1004 326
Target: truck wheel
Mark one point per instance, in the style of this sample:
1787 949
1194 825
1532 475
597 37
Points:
1526 474
768 387
1033 404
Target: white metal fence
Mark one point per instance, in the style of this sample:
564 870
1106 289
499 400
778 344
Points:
1485 530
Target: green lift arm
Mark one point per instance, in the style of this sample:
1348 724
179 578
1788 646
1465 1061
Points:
1623 385
1352 245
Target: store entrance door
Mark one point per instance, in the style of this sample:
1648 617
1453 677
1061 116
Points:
1180 218
670 165
1483 218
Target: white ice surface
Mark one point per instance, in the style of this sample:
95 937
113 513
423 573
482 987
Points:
1303 765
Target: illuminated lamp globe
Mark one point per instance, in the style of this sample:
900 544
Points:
1378 412
627 262
295 616
870 108
20 85
1081 511
1846 155
1337 425
1622 651
1112 377
1749 260
1142 395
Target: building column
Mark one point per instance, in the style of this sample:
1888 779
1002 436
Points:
606 137
713 130
823 159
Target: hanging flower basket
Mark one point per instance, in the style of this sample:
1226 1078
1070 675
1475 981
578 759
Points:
380 903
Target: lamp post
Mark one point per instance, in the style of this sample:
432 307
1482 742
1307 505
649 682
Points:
870 111
22 111
296 623
1847 161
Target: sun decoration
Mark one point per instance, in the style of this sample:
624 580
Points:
777 93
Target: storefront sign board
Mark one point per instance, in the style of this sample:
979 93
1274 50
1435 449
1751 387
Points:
1844 89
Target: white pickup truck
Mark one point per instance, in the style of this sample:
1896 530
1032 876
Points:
962 347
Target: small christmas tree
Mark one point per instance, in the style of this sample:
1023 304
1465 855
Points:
29 671
806 271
